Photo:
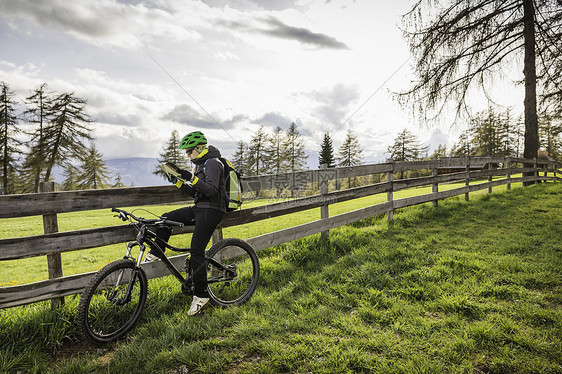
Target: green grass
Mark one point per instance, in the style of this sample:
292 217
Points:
462 288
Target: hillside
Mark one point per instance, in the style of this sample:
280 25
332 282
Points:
467 287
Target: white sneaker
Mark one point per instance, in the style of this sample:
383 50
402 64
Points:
149 258
197 304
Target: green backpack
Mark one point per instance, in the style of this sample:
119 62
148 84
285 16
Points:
233 185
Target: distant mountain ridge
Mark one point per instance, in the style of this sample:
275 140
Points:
137 171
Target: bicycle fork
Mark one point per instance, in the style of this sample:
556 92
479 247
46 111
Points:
127 297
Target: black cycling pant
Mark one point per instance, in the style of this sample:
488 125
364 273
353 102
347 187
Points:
206 221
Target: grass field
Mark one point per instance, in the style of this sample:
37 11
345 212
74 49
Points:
462 288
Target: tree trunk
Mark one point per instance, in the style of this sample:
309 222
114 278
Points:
530 74
4 189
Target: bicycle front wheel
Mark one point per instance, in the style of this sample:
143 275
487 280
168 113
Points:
112 302
233 272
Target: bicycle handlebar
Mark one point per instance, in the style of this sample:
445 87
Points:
125 216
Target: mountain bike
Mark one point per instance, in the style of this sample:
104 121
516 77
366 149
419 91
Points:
114 299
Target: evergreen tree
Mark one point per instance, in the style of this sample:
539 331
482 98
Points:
406 147
93 172
257 156
463 148
508 133
17 180
519 131
64 136
294 148
350 153
491 134
71 178
326 151
487 140
118 181
551 137
239 157
8 143
38 113
440 151
172 153
276 154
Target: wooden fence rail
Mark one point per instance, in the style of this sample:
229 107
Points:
480 171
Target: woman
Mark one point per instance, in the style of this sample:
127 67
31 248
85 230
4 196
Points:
206 187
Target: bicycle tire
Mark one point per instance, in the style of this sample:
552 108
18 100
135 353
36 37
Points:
224 289
102 320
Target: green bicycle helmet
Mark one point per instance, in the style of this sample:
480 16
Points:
192 140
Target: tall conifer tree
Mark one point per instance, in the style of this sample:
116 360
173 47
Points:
406 147
294 148
257 156
93 172
39 113
8 143
239 158
276 153
71 176
172 153
326 152
64 136
350 153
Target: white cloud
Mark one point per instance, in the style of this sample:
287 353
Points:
101 22
21 79
7 64
226 56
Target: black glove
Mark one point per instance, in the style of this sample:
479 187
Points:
185 174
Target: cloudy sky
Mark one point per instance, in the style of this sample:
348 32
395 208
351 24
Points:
147 67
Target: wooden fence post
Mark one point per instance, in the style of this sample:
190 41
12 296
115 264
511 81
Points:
435 186
490 177
508 174
324 209
467 180
536 173
54 261
390 194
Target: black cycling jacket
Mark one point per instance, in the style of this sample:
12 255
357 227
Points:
208 189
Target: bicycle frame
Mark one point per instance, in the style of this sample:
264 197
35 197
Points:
149 237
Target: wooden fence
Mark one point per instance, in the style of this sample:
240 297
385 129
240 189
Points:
310 189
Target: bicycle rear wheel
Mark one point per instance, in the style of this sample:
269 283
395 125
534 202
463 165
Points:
233 272
112 302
